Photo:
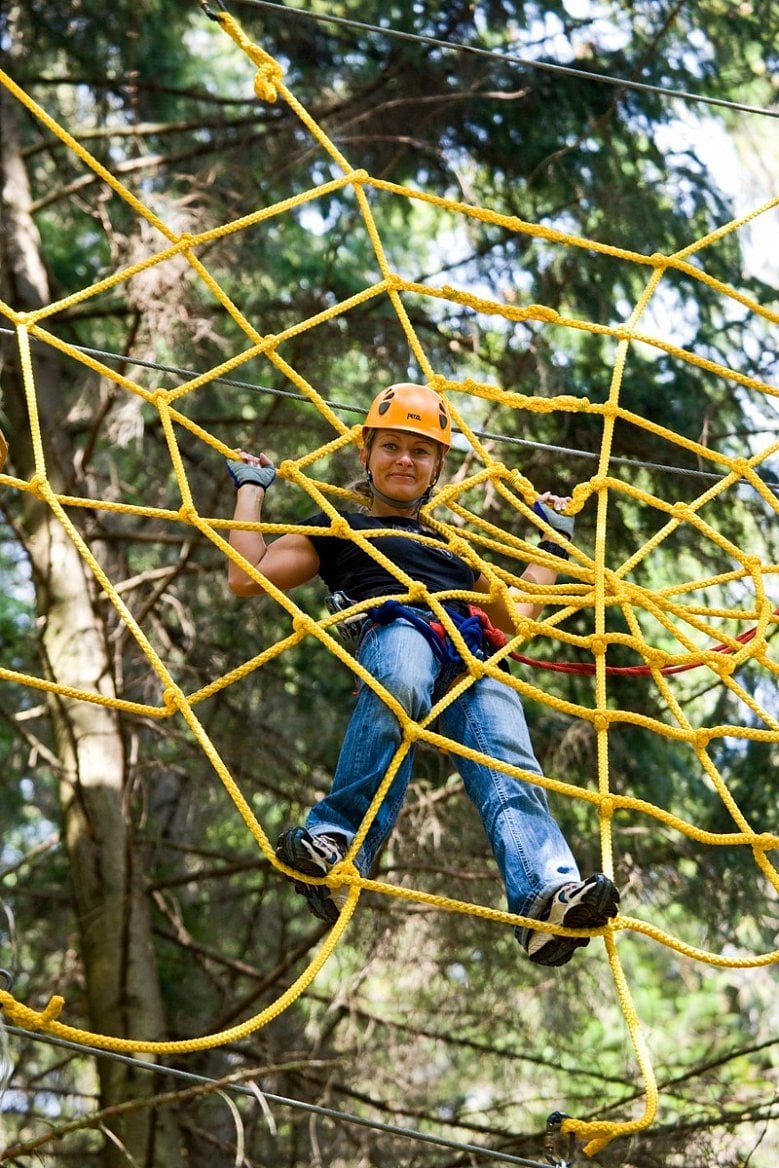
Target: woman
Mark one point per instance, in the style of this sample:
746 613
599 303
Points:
406 436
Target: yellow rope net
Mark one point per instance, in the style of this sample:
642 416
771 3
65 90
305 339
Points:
594 585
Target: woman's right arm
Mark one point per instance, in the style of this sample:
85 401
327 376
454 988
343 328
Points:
287 562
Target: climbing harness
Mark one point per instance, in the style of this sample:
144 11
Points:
480 636
473 625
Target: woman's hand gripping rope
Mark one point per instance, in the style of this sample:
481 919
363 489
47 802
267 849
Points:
551 508
257 470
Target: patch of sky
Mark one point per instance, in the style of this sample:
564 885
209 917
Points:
318 219
670 316
17 573
767 696
544 35
692 60
230 74
35 830
744 176
758 436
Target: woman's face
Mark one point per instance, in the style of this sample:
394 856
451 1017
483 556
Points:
402 465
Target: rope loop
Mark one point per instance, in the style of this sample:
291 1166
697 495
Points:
52 1010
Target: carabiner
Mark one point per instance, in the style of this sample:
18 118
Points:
559 1149
212 15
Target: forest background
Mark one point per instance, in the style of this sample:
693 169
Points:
130 885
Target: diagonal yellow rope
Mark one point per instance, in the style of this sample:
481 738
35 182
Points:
679 611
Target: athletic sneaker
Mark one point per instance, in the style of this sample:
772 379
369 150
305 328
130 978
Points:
586 905
314 855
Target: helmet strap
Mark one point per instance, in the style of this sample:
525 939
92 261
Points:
405 505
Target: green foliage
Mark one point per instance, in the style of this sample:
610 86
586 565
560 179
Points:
429 1018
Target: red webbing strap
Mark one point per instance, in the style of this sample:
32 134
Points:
496 638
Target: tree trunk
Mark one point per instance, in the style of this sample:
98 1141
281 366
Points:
107 872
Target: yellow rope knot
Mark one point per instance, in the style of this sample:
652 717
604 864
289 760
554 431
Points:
345 872
542 312
455 294
725 666
740 466
522 627
269 71
188 513
170 700
302 624
700 739
598 645
417 592
340 528
38 487
268 76
28 1018
286 469
566 401
681 512
600 722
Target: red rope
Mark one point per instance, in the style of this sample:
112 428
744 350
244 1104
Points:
493 636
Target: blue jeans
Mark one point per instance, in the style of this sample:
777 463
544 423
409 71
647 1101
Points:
531 851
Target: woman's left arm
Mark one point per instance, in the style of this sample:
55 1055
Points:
497 609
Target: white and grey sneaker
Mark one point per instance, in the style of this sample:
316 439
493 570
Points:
588 904
314 855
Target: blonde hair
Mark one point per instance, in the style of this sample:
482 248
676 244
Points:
362 488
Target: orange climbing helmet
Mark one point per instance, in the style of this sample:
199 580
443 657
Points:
417 409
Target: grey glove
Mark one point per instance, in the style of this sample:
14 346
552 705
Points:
241 473
556 520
